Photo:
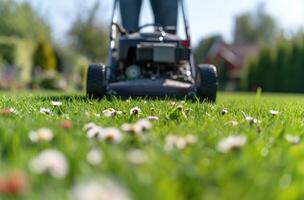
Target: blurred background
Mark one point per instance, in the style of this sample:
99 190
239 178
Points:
254 43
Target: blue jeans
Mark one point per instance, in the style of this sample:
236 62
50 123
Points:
165 13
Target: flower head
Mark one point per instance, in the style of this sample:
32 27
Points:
94 132
292 139
41 135
153 118
136 157
224 111
110 135
231 143
105 189
56 103
94 157
46 111
52 162
139 127
89 126
110 112
135 111
179 142
274 112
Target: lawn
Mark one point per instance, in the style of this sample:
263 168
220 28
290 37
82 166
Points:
264 158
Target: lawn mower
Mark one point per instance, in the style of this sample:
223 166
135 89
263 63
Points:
156 64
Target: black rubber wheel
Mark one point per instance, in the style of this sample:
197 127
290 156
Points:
207 83
96 85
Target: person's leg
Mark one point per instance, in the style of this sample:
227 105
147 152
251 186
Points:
130 11
165 13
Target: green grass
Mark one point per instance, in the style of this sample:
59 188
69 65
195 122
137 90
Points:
267 167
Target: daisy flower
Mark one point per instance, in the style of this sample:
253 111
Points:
94 132
89 126
231 143
153 118
105 189
131 128
41 135
137 128
135 111
252 120
56 103
52 162
179 142
292 139
94 157
136 157
110 112
144 125
224 111
45 111
274 112
110 135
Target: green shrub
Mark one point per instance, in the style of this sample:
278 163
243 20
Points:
278 67
44 56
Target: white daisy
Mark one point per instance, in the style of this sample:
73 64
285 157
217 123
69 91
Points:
105 189
144 125
41 135
191 139
56 103
224 111
89 126
94 157
110 135
52 162
135 111
137 128
274 112
153 118
110 112
46 111
252 120
231 143
94 132
292 139
136 157
179 142
131 128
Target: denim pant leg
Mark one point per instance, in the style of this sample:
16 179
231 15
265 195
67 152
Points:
130 10
165 12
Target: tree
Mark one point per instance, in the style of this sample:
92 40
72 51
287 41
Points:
88 36
21 20
44 56
201 51
278 67
256 26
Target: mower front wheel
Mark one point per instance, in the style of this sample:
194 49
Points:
207 83
96 82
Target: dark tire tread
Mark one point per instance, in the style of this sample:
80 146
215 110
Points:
96 81
207 79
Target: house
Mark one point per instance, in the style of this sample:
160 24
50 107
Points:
230 60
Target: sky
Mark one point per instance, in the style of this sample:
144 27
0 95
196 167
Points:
206 17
